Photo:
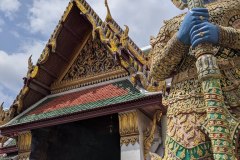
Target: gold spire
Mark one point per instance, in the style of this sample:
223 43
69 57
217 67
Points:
109 16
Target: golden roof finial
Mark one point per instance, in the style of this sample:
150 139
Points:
126 31
1 106
109 16
30 64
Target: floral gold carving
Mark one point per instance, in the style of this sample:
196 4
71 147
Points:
94 58
128 128
24 145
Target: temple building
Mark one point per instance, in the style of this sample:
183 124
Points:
80 100
90 95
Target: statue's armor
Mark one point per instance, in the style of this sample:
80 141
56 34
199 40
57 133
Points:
186 106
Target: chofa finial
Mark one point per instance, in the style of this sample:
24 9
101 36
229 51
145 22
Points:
30 64
109 16
126 31
1 106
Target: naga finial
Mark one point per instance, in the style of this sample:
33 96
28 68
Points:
30 68
30 64
109 16
126 31
1 106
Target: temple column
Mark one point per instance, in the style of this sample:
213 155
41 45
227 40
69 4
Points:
164 134
24 145
139 135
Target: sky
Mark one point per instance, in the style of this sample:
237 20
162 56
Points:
26 26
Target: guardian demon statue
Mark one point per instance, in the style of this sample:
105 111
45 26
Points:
201 51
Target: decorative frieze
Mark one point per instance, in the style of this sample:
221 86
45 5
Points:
128 128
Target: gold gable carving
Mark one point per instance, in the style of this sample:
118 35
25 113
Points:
93 59
93 64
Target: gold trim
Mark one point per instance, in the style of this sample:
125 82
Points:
81 7
24 145
88 80
30 67
128 128
89 16
109 16
44 56
68 10
34 72
19 101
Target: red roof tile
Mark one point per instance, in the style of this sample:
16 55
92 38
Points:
81 97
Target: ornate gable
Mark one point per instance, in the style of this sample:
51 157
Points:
94 63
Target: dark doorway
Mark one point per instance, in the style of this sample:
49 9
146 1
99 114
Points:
93 139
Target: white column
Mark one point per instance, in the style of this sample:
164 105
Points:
133 127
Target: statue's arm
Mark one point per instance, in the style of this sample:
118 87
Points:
169 53
166 57
229 37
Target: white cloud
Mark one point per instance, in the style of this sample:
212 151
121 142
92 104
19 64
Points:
13 67
144 18
33 47
9 7
45 14
15 34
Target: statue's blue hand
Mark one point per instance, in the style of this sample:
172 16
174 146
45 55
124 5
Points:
193 17
204 32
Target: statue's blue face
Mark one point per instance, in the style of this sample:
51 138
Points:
182 4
